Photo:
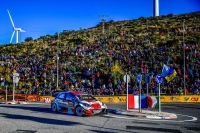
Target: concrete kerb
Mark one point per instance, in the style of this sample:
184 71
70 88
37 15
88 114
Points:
24 102
145 114
14 102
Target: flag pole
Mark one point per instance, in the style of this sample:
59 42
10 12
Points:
6 83
127 91
159 97
159 81
140 98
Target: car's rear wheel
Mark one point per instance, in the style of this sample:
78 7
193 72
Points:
79 111
54 107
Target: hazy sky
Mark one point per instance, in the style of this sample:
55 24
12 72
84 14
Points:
42 17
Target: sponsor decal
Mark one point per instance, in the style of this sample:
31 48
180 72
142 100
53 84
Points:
176 99
110 99
162 98
2 98
100 98
121 99
186 99
70 104
191 99
194 99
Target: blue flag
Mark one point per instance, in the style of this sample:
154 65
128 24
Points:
168 73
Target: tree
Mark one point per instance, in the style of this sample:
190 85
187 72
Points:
111 21
117 70
28 39
170 15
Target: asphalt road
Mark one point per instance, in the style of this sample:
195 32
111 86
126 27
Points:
38 118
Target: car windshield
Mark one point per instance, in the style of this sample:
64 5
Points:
86 97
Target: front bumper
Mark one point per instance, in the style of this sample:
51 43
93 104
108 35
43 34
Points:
94 111
97 111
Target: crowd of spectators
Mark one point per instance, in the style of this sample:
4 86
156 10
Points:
133 56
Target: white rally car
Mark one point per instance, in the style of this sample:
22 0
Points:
78 103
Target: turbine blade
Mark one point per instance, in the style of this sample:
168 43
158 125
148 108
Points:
11 19
12 36
22 31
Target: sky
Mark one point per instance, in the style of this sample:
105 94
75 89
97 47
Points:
47 17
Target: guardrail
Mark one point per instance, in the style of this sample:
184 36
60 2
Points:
105 98
24 97
163 99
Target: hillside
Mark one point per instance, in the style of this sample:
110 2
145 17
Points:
154 30
121 37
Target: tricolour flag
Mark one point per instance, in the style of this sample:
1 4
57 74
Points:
152 102
133 101
168 72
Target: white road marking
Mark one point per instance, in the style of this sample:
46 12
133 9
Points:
38 103
193 118
163 120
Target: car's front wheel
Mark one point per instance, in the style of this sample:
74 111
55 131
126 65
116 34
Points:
79 111
54 107
105 111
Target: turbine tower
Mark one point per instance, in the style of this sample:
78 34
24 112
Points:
155 8
14 29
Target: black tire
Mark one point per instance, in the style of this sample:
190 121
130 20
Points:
54 107
79 111
105 111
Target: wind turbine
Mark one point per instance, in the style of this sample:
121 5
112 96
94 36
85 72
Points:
155 8
14 29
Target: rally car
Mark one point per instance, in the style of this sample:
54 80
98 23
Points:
78 103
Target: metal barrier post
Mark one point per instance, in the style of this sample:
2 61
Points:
6 94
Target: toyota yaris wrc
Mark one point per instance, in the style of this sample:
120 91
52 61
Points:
78 103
